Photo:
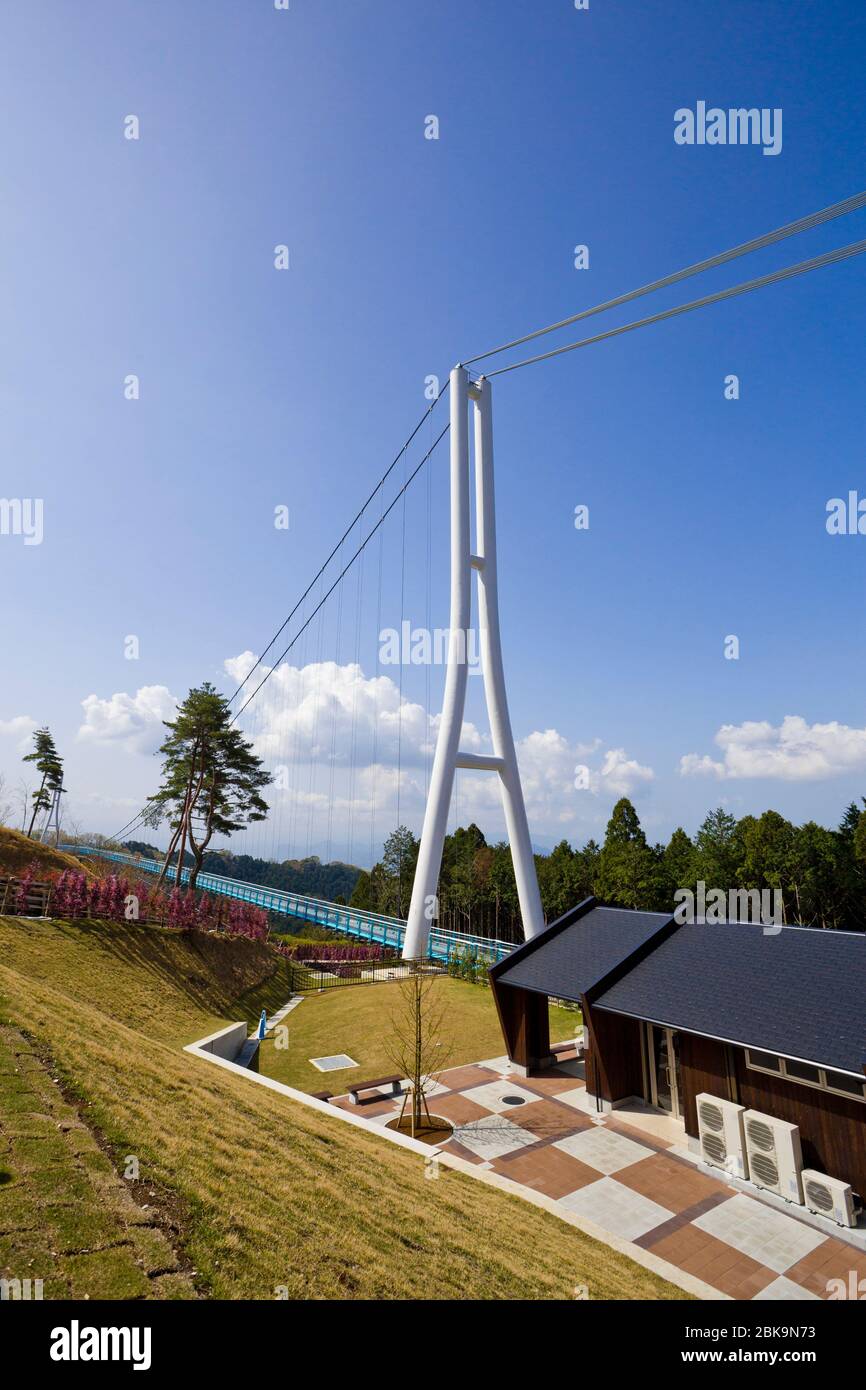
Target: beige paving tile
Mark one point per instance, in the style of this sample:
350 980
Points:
770 1237
616 1208
603 1149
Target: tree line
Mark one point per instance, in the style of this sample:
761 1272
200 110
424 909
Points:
819 874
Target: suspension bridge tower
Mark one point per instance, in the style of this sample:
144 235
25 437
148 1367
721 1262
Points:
477 396
53 814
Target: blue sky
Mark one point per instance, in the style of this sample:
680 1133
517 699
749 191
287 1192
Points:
261 388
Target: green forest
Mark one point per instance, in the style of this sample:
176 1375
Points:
820 873
334 882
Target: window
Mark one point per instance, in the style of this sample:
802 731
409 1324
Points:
801 1071
765 1060
837 1082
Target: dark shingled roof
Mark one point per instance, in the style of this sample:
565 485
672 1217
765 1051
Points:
569 958
800 992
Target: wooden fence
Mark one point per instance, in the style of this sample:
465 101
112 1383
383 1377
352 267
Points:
38 898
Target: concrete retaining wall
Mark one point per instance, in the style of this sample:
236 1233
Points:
227 1043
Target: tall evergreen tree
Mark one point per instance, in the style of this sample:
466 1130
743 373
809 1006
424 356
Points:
399 858
816 895
211 779
502 887
719 851
625 865
49 765
680 861
767 843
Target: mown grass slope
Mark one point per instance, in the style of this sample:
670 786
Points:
271 1193
66 1218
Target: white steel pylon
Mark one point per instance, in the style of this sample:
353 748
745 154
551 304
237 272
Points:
448 757
53 815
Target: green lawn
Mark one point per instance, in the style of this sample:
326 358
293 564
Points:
356 1019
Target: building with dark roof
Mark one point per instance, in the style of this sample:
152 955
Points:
771 1018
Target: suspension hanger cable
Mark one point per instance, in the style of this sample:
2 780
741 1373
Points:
137 819
388 471
346 568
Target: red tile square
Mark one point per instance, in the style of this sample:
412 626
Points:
546 1170
832 1260
457 1107
670 1182
718 1264
549 1120
461 1078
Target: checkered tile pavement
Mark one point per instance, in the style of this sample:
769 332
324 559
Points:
535 1132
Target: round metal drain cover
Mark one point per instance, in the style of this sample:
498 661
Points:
513 1100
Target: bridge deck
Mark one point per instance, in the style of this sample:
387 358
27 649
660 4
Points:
389 932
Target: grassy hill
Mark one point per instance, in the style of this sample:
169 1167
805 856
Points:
17 851
251 1191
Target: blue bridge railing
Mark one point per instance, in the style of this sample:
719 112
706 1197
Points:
388 932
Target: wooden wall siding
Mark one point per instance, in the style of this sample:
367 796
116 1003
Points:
704 1068
832 1129
525 1024
613 1063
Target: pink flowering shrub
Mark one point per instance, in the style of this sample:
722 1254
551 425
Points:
23 890
73 897
332 951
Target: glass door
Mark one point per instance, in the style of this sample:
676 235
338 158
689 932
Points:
665 1070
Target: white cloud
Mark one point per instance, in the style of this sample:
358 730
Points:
346 748
793 751
133 721
326 712
337 717
20 728
620 775
697 765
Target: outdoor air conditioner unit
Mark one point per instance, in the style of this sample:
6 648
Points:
774 1155
829 1197
720 1126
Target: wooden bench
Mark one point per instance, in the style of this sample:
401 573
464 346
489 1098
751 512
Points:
393 1081
322 1095
575 1046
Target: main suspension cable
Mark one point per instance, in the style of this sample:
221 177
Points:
803 224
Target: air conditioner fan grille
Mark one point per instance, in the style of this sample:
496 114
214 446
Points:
761 1135
714 1148
711 1117
764 1169
819 1196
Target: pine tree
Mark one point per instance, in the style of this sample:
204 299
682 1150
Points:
718 843
50 765
625 865
680 861
211 779
399 857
